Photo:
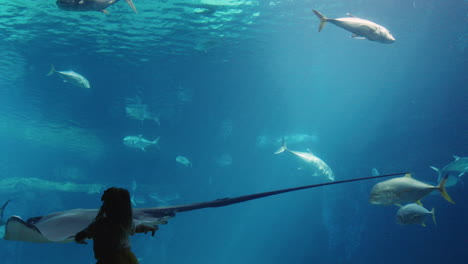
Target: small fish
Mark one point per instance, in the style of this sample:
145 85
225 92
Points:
71 77
315 162
414 214
454 169
184 161
141 112
139 142
404 190
361 28
90 5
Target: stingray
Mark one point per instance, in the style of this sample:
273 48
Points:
61 227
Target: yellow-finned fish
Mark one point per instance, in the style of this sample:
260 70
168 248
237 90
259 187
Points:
405 190
361 28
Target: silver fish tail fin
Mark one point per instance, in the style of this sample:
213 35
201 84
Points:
433 216
441 188
130 3
156 142
52 70
323 19
283 147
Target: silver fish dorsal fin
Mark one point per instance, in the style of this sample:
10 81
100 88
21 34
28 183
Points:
456 157
350 15
408 175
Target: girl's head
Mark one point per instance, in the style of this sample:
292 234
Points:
117 206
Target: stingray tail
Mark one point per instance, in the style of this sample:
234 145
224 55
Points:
441 188
283 147
52 70
323 19
130 3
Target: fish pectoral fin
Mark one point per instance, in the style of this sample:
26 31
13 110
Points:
105 12
354 36
132 6
433 216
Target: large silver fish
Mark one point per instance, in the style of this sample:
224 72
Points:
71 77
404 190
312 160
454 169
139 142
414 214
360 28
90 5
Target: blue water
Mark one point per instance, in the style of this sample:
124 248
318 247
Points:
232 78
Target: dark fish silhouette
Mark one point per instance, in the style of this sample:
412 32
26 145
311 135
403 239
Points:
61 227
90 5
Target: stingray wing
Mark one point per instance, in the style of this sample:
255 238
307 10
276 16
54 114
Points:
59 227
18 230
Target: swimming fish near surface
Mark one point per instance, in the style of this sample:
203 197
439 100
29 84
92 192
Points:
71 77
184 161
454 169
90 5
414 214
139 142
361 28
315 162
404 190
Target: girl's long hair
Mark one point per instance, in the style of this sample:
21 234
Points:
117 208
